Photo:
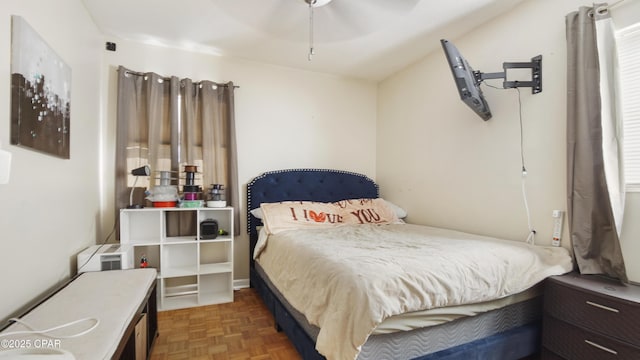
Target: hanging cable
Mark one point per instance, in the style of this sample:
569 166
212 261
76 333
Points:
106 239
46 332
531 237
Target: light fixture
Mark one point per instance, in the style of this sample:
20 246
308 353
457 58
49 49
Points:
317 3
141 171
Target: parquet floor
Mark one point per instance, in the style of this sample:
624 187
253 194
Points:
243 329
240 330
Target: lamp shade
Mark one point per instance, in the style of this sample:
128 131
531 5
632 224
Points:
141 171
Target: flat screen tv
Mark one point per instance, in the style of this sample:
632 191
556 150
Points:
466 81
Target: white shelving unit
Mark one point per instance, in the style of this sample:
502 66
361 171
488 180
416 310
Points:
191 271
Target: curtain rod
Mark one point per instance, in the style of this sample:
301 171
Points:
137 73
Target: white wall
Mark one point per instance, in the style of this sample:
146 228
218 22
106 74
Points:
285 118
50 208
448 167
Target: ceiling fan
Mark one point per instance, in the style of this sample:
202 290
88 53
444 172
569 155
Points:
325 21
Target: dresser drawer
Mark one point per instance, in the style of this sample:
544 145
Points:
604 314
546 354
574 343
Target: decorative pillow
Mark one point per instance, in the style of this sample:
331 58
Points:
288 215
400 212
306 214
367 211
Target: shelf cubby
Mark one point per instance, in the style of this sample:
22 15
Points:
191 272
151 252
145 230
178 292
216 288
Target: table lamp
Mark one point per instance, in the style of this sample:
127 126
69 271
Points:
141 171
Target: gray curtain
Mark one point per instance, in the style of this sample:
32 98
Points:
590 216
167 123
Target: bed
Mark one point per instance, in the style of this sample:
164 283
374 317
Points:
409 322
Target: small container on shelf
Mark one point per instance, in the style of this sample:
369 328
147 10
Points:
144 263
190 191
164 194
163 204
191 203
216 196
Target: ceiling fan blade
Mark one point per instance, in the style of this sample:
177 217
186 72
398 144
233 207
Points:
337 20
279 18
347 19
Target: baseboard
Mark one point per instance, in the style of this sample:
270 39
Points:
240 284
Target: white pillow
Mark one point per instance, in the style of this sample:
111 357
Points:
257 212
400 212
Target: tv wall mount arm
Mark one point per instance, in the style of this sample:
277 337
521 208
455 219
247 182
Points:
536 75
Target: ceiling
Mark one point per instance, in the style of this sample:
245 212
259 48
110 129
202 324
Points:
367 39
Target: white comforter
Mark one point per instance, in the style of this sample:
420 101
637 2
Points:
347 280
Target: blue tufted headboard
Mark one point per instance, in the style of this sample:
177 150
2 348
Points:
321 185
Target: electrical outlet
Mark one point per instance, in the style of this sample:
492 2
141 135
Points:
558 216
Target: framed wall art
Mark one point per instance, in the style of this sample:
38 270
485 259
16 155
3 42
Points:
40 93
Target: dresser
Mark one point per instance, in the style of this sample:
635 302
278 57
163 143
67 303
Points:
590 317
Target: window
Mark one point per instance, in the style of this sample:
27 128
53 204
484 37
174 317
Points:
628 42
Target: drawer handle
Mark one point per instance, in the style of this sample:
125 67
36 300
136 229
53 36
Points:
603 307
604 348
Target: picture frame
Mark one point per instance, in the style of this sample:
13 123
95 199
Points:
40 93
